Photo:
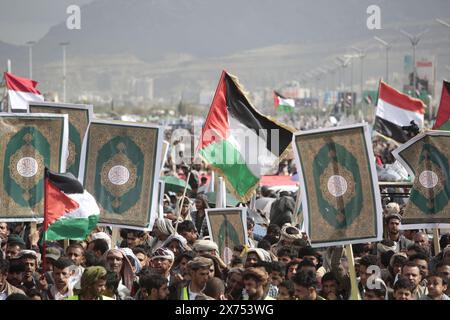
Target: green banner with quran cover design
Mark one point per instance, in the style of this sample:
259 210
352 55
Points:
79 117
340 196
426 157
28 144
122 170
228 228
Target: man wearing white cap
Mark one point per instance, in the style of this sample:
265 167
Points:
162 261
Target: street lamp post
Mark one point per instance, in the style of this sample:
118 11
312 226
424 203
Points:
361 55
64 45
414 39
30 57
387 46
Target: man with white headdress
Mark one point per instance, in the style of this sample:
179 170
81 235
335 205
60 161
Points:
288 235
162 229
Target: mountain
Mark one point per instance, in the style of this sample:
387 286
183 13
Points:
184 44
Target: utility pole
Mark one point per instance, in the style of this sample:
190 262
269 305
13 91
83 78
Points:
387 46
64 45
30 57
414 39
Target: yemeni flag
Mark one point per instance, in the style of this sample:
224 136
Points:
283 104
240 143
70 211
21 91
395 110
443 115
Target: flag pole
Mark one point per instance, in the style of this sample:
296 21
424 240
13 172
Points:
44 236
180 202
351 268
437 247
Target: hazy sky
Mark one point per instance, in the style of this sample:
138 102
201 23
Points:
25 20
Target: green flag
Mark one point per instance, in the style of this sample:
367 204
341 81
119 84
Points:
426 157
121 170
28 144
340 196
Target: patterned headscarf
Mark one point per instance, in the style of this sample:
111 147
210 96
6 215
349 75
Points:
127 271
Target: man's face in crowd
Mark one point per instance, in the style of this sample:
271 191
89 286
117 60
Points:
199 204
98 288
403 294
393 226
161 265
436 287
61 277
284 259
313 259
329 286
397 268
291 271
413 275
30 267
163 292
211 272
252 287
444 272
76 255
423 266
252 259
234 283
143 259
276 278
133 240
15 278
174 246
190 236
200 277
421 240
364 274
115 261
185 209
183 266
12 251
302 293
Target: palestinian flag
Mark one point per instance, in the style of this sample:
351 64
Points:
283 104
70 211
426 157
21 91
443 115
240 143
395 110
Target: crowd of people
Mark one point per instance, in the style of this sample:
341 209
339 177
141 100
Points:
178 260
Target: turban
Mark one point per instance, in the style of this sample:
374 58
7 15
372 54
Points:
263 255
199 263
392 208
181 240
91 275
129 253
104 236
205 245
165 226
289 232
163 253
126 272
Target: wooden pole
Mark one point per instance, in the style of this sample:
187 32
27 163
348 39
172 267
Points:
351 268
114 237
180 202
437 248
